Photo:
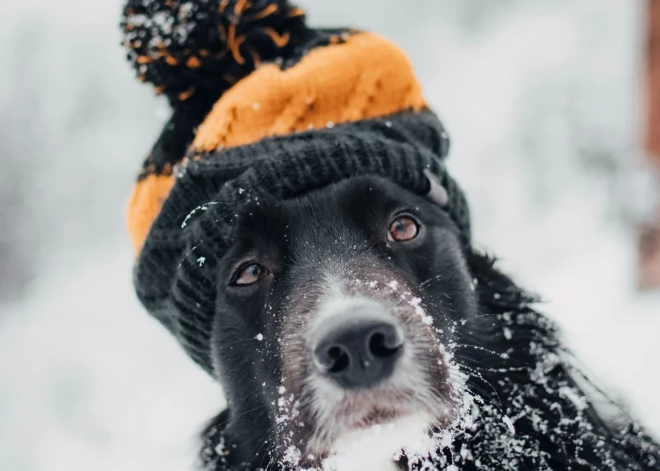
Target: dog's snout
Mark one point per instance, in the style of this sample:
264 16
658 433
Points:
359 348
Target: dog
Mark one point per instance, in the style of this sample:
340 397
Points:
355 331
325 274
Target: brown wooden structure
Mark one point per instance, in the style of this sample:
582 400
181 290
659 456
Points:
649 246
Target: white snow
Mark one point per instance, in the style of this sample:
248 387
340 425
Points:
89 381
376 447
509 424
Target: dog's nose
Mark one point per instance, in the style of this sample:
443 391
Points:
358 349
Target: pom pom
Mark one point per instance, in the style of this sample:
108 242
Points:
195 47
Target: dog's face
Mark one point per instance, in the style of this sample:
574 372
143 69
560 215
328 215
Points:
335 313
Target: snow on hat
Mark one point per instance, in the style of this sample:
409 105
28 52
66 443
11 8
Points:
262 106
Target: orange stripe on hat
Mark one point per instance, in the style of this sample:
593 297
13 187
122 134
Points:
145 204
365 77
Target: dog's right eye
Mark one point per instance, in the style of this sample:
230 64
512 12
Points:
249 275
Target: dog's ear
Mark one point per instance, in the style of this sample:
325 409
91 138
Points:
437 193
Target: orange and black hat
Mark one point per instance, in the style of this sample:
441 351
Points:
262 106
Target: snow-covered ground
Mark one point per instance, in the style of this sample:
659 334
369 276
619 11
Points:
541 100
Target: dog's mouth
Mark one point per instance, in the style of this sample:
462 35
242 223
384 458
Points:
379 428
375 433
380 415
379 411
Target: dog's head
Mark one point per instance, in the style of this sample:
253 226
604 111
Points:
334 314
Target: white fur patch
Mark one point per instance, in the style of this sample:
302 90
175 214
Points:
337 301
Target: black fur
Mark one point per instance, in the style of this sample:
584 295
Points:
528 407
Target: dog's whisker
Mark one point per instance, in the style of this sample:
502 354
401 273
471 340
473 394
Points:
253 410
458 346
263 442
476 374
478 362
437 277
481 392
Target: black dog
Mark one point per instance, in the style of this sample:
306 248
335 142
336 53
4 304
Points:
324 272
354 327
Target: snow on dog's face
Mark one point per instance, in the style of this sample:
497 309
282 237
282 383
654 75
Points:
335 320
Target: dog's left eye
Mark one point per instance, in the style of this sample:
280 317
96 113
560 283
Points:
250 275
403 228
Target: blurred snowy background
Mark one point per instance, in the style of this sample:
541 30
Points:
541 97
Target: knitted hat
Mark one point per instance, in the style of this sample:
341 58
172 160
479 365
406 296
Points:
262 106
